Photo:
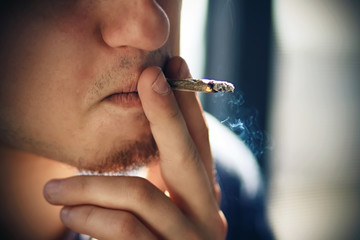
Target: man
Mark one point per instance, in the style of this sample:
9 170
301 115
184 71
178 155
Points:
82 83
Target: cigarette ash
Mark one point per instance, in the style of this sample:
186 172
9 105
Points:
220 86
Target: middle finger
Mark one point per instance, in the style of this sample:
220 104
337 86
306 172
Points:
132 194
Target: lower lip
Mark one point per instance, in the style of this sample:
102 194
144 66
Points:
125 100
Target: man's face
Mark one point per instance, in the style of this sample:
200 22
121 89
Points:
69 72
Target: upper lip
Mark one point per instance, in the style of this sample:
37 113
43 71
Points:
129 83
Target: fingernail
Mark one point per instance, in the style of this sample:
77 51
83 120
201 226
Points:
65 215
51 188
64 212
161 86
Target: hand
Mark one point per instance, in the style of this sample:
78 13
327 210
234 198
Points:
133 207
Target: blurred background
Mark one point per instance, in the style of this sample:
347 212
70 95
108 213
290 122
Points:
296 67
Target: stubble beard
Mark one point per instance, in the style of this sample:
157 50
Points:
130 157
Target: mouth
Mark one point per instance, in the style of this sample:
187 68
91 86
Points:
124 99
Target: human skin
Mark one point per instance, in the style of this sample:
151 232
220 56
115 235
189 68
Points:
61 59
61 63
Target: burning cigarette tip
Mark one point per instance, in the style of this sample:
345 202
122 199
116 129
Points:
201 85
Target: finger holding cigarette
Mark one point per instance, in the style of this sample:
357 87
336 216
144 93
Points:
201 85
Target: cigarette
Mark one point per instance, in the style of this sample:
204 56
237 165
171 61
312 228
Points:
201 85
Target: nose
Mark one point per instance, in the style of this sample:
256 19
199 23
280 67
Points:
140 24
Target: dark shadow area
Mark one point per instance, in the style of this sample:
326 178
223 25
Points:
239 40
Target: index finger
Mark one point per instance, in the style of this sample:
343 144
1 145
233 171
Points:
182 170
192 112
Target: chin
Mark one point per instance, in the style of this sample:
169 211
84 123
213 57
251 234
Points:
118 156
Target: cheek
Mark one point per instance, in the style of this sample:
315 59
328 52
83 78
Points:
40 85
45 58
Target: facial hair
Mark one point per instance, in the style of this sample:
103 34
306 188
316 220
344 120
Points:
130 157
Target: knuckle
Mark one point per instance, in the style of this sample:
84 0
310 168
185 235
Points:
215 229
220 226
173 113
190 157
82 184
126 226
142 192
89 215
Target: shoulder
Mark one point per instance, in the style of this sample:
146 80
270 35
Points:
241 183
